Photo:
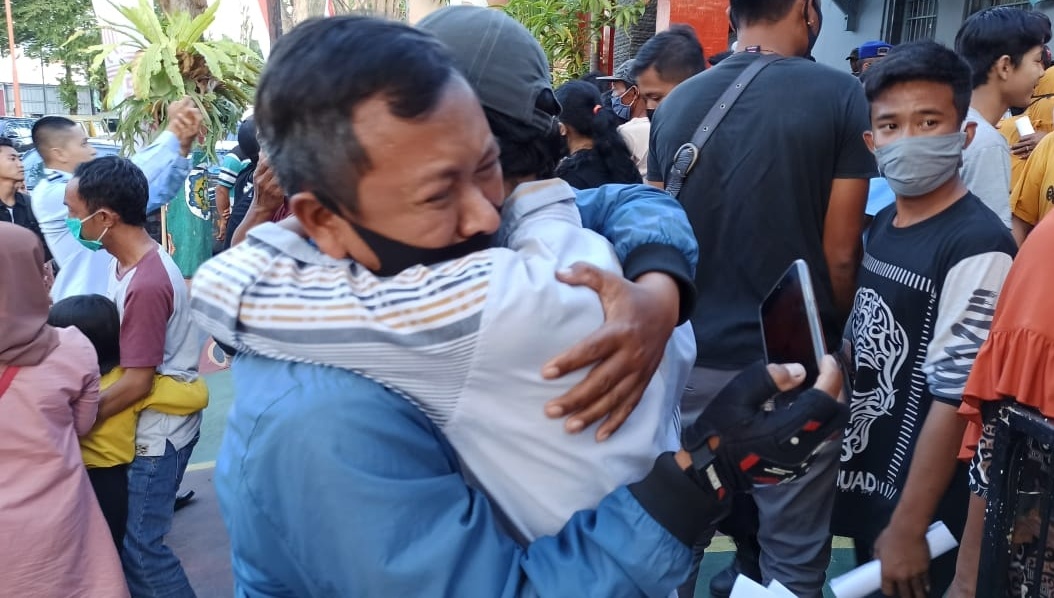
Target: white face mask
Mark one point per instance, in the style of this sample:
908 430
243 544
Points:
915 166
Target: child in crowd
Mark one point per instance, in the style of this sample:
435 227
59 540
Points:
110 447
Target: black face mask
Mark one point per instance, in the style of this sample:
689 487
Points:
651 113
396 256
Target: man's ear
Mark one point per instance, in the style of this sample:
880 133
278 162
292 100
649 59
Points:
869 139
970 128
1003 67
55 154
332 233
107 218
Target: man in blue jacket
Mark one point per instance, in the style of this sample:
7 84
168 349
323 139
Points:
332 485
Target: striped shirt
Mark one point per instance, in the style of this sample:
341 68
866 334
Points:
465 341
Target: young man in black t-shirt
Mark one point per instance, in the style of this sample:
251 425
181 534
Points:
785 176
14 206
933 268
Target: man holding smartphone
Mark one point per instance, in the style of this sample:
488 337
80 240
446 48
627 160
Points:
772 186
933 269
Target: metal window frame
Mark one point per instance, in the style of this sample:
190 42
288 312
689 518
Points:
1015 426
897 20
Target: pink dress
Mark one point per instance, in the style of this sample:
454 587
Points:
54 541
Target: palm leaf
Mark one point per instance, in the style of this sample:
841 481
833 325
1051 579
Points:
171 65
148 63
117 83
200 24
217 61
101 51
144 19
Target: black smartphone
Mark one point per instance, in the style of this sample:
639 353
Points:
790 322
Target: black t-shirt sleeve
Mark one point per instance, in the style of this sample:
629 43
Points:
855 161
656 173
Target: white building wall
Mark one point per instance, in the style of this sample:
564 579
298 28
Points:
836 42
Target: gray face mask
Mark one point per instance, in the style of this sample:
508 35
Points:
915 166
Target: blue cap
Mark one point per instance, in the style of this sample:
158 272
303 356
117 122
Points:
874 49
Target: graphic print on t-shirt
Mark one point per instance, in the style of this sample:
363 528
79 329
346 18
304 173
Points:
886 401
882 347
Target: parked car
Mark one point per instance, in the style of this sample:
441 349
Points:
100 126
18 130
34 163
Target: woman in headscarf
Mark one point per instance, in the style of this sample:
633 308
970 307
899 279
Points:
54 541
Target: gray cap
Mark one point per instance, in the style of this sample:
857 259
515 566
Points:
624 73
502 62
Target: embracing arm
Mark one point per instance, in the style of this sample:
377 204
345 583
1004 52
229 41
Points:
650 232
135 384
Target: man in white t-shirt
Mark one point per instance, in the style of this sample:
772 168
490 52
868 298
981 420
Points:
1004 48
107 200
629 106
64 145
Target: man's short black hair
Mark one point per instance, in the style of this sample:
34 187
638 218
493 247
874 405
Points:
5 142
675 54
46 129
116 183
247 142
97 318
315 78
921 61
748 12
999 31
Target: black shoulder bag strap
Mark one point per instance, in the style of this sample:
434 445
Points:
687 154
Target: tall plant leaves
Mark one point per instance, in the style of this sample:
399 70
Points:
219 76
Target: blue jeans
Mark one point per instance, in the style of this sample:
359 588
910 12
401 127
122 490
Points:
150 567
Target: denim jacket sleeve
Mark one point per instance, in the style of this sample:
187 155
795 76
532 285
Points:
649 230
165 169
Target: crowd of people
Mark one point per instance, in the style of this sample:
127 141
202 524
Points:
503 339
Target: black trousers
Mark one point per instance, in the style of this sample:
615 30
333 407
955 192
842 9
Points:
111 490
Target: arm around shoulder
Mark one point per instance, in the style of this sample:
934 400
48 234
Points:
650 232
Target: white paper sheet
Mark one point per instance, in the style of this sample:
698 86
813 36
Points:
748 588
867 578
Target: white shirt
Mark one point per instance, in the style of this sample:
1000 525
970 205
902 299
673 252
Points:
986 167
636 133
